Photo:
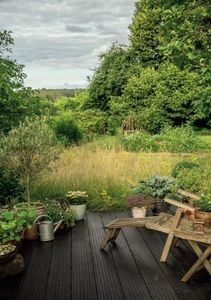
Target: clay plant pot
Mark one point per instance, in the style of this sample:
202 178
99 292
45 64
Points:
31 233
204 216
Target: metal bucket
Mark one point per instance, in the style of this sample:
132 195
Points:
46 229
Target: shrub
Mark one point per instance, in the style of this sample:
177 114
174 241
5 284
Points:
179 139
92 121
10 186
140 141
65 127
183 165
204 203
190 180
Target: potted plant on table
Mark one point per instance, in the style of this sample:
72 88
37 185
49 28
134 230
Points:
78 201
157 187
28 150
203 209
140 204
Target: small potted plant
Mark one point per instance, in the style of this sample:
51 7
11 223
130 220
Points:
78 201
157 187
203 209
69 218
54 211
139 203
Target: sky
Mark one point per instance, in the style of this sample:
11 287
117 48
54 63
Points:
59 41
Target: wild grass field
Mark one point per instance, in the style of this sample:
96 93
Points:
107 172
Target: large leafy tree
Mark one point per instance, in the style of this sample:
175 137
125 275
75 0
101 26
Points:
16 101
110 77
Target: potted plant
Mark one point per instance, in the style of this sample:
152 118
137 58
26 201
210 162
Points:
54 211
139 203
203 209
78 201
69 218
12 225
29 149
30 232
157 187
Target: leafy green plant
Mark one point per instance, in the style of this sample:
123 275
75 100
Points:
204 203
69 218
140 141
185 164
190 180
77 197
179 139
10 186
13 222
157 186
54 211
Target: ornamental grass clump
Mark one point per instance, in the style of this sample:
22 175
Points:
77 197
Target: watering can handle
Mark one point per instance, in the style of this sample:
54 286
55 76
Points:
37 219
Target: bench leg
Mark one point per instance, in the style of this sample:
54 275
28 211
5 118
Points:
111 235
197 264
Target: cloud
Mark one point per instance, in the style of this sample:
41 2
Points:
52 35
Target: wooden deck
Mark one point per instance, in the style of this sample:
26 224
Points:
73 267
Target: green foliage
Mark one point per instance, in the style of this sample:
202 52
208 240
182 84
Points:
184 164
140 141
179 139
12 223
190 180
110 77
92 121
69 218
204 203
66 127
54 211
29 149
10 186
177 31
157 186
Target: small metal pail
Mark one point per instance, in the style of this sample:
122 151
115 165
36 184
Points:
46 229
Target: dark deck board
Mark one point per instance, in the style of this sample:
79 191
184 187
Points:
82 264
72 267
149 268
59 273
133 284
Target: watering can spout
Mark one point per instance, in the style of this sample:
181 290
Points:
57 226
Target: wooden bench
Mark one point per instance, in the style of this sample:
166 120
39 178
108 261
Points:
176 226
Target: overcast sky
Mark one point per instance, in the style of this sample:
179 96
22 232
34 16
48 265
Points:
59 40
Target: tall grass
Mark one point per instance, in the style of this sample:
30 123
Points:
106 173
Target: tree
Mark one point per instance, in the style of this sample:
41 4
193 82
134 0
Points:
16 101
29 149
109 78
177 31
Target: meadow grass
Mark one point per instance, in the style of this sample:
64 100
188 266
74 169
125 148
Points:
106 171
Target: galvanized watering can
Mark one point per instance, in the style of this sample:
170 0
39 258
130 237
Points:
46 228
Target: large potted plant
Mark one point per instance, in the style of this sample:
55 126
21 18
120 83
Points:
158 187
203 209
78 201
139 204
29 149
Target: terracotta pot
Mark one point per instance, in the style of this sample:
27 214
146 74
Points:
31 233
139 212
204 216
